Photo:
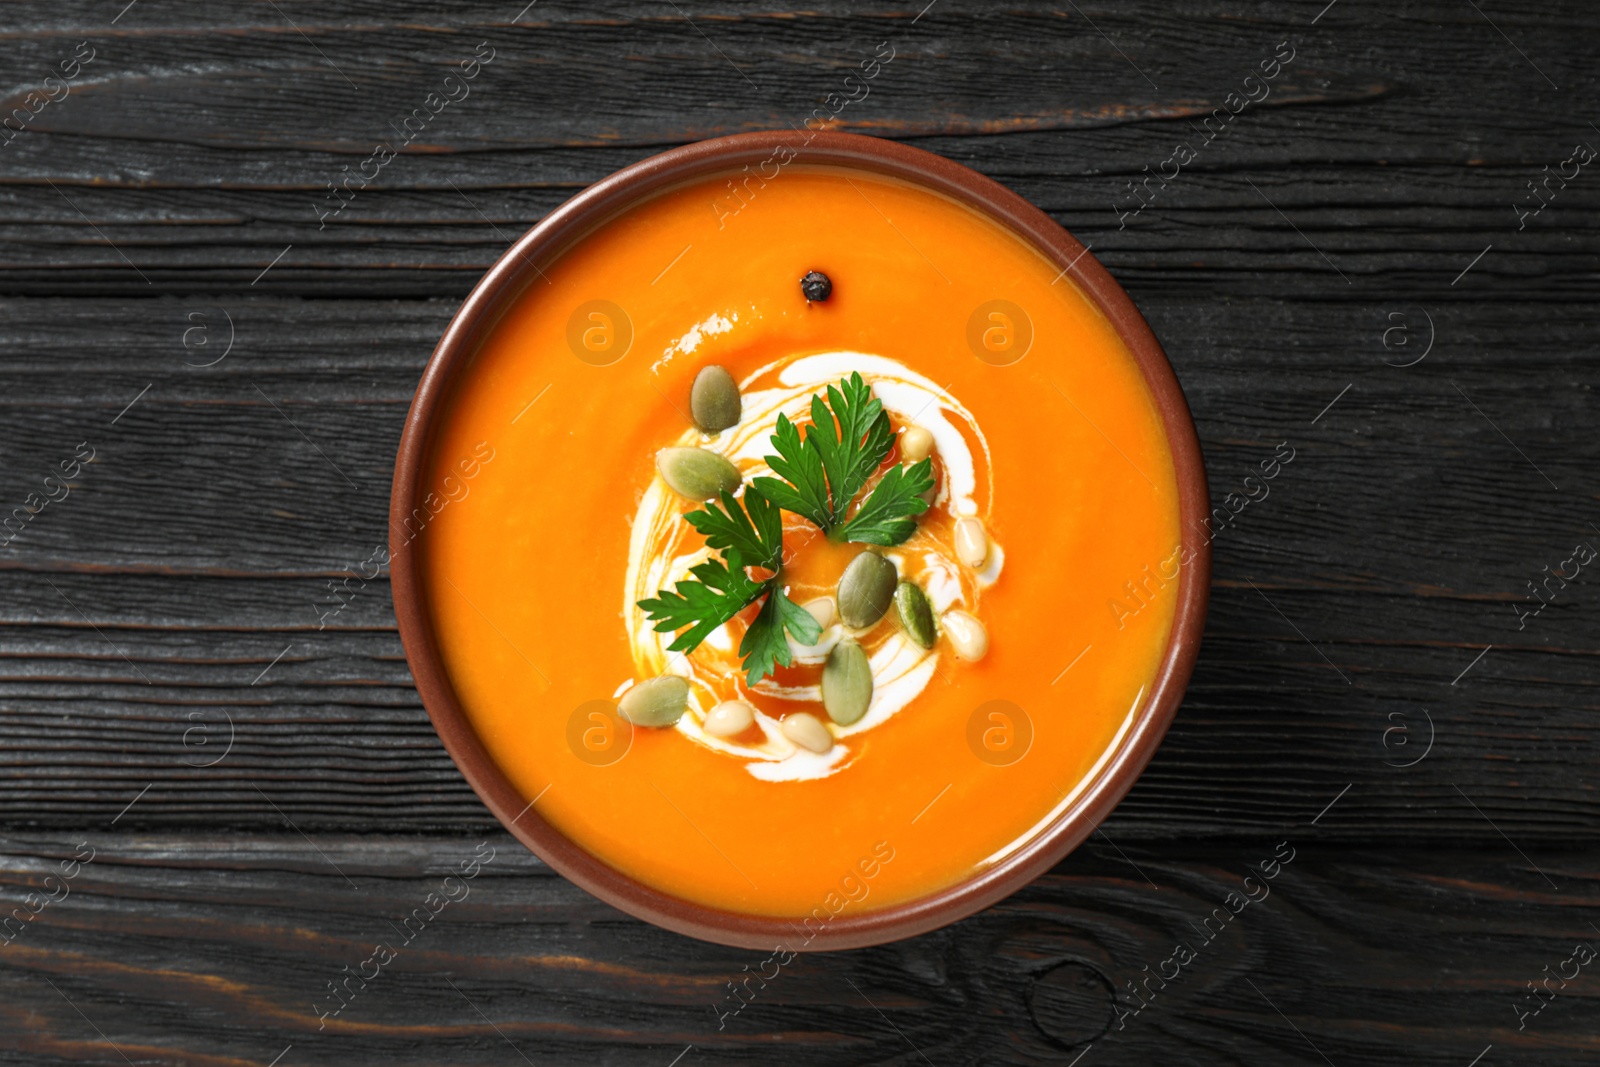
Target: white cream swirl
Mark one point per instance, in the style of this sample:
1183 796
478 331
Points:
663 547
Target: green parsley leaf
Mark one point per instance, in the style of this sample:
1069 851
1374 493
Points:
804 489
719 592
842 448
757 536
764 648
852 451
885 518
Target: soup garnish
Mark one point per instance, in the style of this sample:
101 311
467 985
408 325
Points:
821 472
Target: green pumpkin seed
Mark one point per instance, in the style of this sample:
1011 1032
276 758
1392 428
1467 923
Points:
846 683
916 617
696 473
658 702
866 590
714 400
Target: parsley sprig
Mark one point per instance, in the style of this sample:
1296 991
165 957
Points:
750 534
819 475
754 531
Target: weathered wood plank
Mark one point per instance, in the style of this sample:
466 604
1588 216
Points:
212 950
200 156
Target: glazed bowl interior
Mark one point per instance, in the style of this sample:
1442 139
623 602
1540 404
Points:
517 275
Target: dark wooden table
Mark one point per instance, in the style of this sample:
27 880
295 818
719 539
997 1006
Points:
1351 264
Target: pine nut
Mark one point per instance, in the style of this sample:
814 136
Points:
972 544
823 610
729 719
915 444
968 636
807 731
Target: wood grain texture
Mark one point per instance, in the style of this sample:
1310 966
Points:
173 694
200 949
199 147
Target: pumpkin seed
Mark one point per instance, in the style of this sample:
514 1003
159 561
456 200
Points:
846 683
866 590
916 617
807 731
658 702
714 400
729 719
696 473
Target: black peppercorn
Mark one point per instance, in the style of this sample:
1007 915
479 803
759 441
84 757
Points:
816 286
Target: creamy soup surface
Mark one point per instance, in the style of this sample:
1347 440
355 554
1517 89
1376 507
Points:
549 522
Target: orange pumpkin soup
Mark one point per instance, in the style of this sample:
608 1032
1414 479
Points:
1052 489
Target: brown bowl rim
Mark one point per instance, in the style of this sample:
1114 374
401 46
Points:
504 283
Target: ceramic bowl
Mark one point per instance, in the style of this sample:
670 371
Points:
505 282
